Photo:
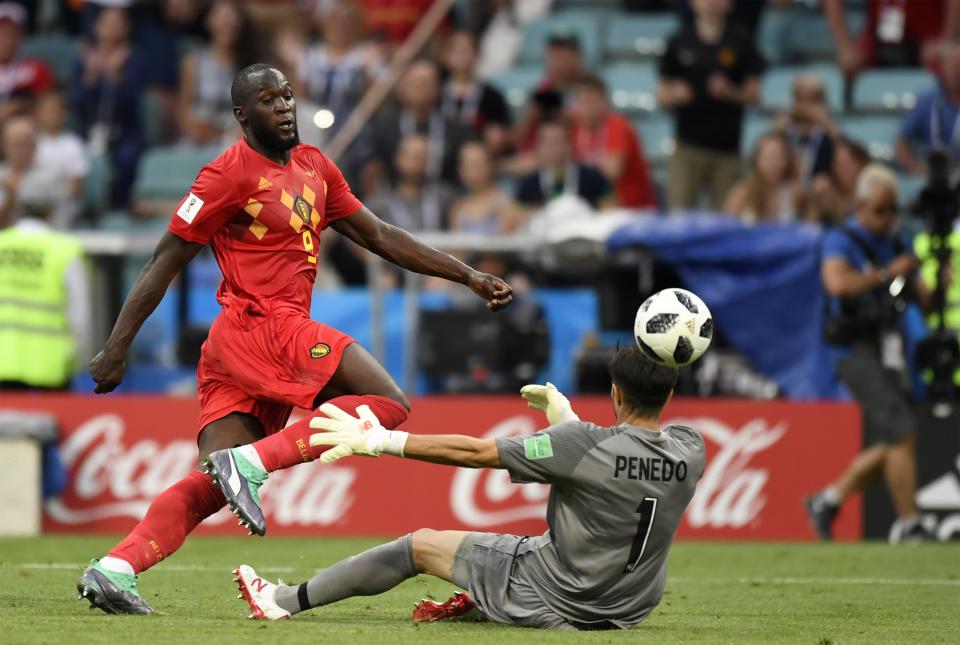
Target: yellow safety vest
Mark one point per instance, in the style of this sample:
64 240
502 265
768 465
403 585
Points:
36 346
924 246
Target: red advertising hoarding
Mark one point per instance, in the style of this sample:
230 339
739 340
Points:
763 458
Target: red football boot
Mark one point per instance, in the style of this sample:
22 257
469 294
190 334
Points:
428 611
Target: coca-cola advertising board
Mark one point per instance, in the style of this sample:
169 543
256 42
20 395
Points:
763 458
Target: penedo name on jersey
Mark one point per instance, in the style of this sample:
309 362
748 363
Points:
649 469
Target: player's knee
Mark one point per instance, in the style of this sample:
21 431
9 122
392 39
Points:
423 543
398 396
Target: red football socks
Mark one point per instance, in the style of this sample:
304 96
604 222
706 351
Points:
171 516
291 446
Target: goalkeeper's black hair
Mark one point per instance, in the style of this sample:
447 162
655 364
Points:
644 385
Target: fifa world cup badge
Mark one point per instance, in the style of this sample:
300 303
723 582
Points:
319 350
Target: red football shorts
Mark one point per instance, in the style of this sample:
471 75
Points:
265 369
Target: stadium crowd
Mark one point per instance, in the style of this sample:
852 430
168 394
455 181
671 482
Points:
90 88
108 108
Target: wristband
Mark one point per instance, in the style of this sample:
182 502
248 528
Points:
394 442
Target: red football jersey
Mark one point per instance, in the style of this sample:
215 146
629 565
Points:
263 222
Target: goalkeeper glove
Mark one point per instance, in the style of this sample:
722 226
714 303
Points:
547 398
360 435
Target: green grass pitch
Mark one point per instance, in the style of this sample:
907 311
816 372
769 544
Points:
716 593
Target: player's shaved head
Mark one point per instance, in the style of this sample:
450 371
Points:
246 82
266 109
644 385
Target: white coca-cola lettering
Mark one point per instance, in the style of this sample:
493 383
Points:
731 494
474 490
112 480
309 495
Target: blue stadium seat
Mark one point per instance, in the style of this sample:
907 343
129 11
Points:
877 133
883 90
802 35
656 133
632 86
585 24
59 52
165 174
516 84
776 87
96 185
754 127
629 37
909 189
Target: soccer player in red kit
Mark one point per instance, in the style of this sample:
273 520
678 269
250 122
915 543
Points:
261 205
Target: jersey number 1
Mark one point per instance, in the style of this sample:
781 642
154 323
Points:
647 509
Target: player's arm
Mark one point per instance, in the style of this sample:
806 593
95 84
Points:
403 249
169 258
453 450
363 435
843 281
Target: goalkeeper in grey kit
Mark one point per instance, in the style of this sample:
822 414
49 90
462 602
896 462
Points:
617 497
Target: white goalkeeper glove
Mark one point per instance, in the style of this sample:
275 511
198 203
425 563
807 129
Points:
547 398
359 435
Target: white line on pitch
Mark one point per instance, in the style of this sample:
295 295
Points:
826 581
167 567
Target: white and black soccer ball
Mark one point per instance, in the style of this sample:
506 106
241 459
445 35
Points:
673 327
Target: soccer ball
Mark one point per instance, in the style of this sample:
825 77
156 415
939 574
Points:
673 327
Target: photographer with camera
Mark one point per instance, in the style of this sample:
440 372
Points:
869 274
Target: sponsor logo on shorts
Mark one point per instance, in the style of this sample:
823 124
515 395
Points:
319 350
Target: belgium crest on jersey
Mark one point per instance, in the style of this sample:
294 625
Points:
302 208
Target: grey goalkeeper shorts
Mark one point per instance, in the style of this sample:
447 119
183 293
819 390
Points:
484 566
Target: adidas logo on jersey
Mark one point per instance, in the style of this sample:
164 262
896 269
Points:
264 184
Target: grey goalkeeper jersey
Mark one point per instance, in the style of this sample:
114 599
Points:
616 500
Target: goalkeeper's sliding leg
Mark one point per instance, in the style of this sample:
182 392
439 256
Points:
437 553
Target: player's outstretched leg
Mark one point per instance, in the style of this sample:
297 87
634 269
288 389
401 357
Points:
110 582
241 471
370 573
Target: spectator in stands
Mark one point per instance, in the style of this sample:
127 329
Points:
709 73
22 79
466 99
808 126
501 34
558 174
27 186
833 195
563 68
106 92
335 72
934 121
206 110
484 207
394 20
415 202
606 140
897 33
418 94
863 331
746 13
58 147
771 192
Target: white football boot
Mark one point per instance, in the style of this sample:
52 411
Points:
259 594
